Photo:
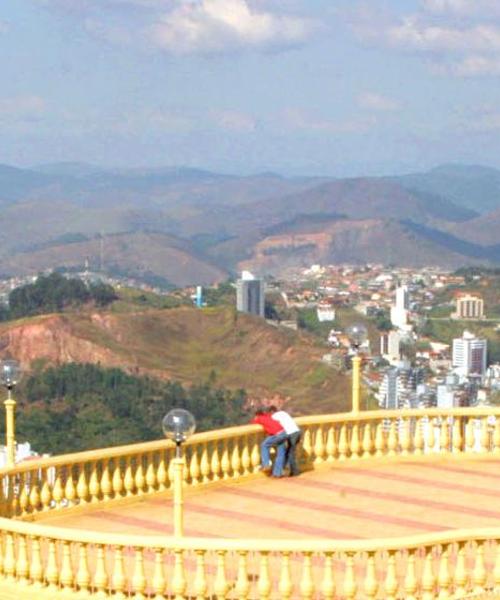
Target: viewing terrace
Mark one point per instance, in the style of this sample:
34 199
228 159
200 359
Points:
389 505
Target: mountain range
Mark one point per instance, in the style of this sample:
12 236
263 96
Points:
182 226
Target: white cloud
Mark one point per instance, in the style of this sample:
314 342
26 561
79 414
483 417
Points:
476 65
377 102
413 34
300 120
22 107
213 26
482 8
235 121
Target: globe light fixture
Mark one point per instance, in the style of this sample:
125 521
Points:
178 425
358 334
10 373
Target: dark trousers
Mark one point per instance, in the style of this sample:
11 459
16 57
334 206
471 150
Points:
291 457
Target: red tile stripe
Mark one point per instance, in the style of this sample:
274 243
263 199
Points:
332 509
444 485
461 470
263 521
445 506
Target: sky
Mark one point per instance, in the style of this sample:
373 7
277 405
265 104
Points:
298 87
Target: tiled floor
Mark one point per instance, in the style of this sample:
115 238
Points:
355 501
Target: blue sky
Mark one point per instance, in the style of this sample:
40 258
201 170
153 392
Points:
294 86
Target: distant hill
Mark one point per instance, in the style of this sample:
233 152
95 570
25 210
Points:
472 186
191 226
188 345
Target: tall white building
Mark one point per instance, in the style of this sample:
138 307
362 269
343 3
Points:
390 346
399 312
469 355
250 294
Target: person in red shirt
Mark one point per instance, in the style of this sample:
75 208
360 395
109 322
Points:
276 436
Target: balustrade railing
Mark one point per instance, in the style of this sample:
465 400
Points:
54 560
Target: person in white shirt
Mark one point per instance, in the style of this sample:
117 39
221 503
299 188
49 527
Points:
293 438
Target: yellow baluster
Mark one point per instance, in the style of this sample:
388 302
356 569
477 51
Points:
404 437
457 440
496 437
36 567
119 579
94 486
179 578
355 446
461 579
151 473
371 582
411 583
380 442
235 460
24 500
285 585
194 467
205 464
161 474
117 479
484 438
34 496
479 574
66 575
57 490
106 484
328 583
392 439
9 561
83 573
128 480
139 479
46 492
225 463
343 444
82 489
22 565
444 440
264 583
470 436
444 577
418 438
255 454
391 580
51 568
215 462
242 587
496 571
246 461
221 585
100 574
200 585
319 446
69 488
307 581
431 435
350 587
428 579
367 441
307 448
139 577
331 446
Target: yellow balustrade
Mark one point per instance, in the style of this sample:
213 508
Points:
38 561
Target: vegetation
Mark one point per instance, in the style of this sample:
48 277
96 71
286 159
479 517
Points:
223 294
54 293
81 406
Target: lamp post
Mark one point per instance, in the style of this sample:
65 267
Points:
178 425
357 334
9 375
